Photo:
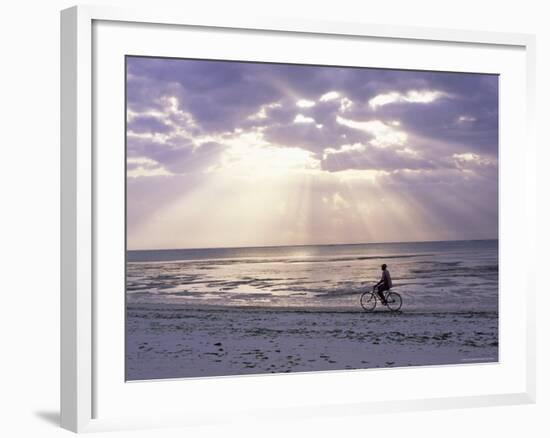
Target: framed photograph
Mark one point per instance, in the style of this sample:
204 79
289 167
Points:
288 218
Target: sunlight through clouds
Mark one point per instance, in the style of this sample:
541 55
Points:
232 154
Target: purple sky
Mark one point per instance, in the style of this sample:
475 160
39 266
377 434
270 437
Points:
244 154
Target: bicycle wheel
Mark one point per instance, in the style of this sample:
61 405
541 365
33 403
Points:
368 301
394 301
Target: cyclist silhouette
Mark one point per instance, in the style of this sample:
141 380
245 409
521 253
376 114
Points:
384 284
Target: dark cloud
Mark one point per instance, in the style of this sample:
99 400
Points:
217 97
221 96
180 156
148 124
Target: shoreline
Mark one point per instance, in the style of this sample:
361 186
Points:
174 307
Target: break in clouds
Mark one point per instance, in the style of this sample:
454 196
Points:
340 154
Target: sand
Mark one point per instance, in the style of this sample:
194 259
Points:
170 341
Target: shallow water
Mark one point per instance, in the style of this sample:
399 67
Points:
431 276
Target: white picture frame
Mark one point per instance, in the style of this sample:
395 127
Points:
83 370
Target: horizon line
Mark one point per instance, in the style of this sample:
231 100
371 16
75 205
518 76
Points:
310 244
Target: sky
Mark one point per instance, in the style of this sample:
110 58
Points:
232 154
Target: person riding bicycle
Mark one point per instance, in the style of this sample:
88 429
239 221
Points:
384 284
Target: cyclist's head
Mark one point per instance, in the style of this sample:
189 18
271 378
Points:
383 267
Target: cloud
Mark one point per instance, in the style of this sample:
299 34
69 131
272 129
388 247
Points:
177 154
465 119
303 119
262 113
411 96
142 166
224 96
383 134
184 99
345 104
304 103
148 124
331 95
476 164
334 96
367 157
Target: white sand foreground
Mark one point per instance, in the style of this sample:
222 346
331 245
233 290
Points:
164 341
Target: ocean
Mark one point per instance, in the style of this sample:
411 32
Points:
445 276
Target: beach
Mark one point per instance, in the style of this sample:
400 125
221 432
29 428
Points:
199 313
168 342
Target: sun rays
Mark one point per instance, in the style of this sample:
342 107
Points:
245 154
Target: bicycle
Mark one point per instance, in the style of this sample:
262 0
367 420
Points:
370 297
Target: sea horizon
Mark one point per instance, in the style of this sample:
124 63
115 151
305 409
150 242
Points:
312 244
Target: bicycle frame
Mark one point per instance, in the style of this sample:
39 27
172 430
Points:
387 301
376 296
